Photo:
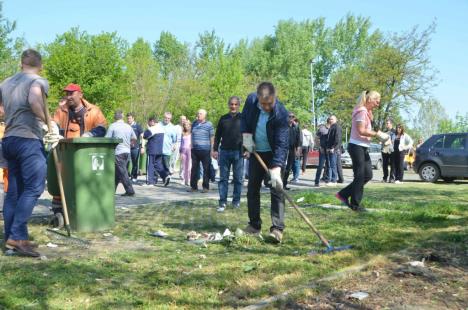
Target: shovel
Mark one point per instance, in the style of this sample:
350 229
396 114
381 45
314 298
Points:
329 248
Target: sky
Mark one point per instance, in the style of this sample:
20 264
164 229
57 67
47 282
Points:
40 22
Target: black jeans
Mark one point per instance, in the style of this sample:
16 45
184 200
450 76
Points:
121 173
203 157
362 168
339 166
135 155
289 166
256 177
387 160
305 154
398 164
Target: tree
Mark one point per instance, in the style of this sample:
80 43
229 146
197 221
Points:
172 55
93 61
145 86
399 69
10 48
459 124
429 118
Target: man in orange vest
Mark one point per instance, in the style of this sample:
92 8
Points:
76 117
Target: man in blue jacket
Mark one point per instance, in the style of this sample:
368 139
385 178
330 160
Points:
154 149
264 126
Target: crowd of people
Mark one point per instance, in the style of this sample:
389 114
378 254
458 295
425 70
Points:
241 143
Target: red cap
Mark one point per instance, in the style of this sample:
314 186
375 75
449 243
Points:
73 87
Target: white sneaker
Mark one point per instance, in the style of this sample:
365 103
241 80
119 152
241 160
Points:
397 182
331 184
134 180
220 209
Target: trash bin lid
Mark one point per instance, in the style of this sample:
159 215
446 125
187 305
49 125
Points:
92 140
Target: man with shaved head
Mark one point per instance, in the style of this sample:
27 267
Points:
202 143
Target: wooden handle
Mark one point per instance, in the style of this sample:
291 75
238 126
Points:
57 165
295 206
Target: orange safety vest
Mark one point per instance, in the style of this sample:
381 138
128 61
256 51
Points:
93 118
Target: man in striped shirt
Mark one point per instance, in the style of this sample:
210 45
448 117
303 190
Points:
202 142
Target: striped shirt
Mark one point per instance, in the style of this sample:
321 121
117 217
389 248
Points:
201 135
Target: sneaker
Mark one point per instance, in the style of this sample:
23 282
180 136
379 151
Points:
384 181
205 190
128 195
331 184
317 185
397 182
167 180
342 199
250 230
134 180
221 209
358 209
236 205
275 236
294 180
192 190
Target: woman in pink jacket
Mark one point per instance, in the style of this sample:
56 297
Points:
358 148
185 152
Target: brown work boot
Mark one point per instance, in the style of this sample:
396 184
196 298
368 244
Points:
22 247
275 236
250 230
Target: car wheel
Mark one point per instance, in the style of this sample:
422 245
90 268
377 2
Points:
449 180
429 172
378 165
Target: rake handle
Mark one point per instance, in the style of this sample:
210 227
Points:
57 166
295 206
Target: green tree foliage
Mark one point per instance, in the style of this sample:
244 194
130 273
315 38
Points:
170 75
399 69
10 48
430 117
93 61
459 124
145 86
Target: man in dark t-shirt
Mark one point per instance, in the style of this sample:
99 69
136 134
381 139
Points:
135 148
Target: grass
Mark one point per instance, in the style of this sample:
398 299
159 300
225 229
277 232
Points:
131 269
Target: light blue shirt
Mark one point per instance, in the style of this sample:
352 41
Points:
261 138
124 131
170 138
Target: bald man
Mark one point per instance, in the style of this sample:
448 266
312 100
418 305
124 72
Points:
202 143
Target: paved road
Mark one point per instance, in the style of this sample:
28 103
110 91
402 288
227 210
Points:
177 192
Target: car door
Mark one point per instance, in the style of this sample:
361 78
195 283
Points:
454 156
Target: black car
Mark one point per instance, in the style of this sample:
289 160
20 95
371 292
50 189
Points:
443 156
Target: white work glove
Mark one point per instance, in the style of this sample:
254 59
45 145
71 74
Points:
87 135
247 142
51 139
382 136
275 178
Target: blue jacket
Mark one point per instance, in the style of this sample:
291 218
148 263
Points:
155 139
277 127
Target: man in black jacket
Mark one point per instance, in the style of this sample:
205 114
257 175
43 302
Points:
227 149
295 145
264 127
333 148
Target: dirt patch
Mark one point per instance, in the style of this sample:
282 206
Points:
441 282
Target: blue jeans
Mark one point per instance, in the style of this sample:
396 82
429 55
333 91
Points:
27 169
226 159
322 159
332 168
297 169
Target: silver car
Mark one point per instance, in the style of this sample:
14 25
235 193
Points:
374 153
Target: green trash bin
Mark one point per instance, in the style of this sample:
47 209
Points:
88 174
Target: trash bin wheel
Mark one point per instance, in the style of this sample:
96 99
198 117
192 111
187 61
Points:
57 220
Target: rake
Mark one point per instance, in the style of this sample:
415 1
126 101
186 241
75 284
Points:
328 246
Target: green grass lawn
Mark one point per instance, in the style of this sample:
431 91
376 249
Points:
132 269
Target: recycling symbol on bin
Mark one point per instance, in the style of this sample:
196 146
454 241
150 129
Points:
97 162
